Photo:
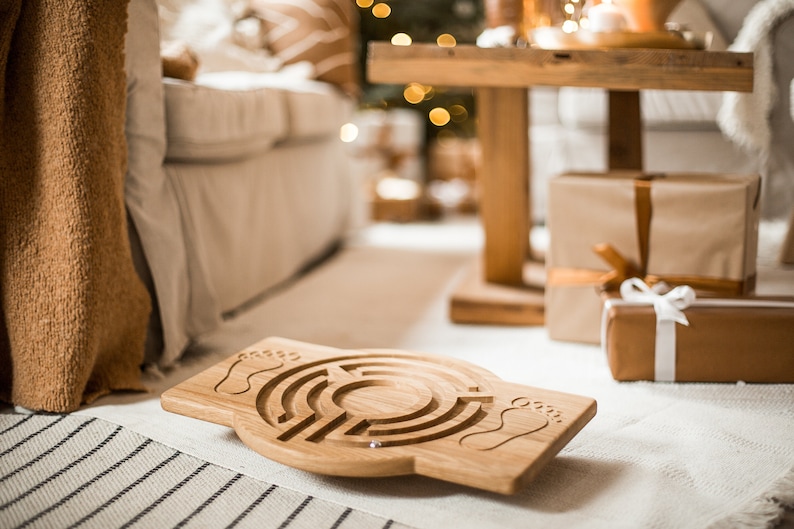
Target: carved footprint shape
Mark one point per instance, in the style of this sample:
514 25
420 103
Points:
515 422
248 364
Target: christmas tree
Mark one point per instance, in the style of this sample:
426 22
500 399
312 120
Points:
445 21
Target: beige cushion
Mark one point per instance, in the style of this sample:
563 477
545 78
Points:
323 32
316 110
233 115
209 124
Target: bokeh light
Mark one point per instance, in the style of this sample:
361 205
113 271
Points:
445 40
414 93
570 26
394 188
401 39
458 113
439 116
446 136
381 10
348 132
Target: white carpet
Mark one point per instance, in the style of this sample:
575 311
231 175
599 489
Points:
655 455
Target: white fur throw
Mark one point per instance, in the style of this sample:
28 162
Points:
744 117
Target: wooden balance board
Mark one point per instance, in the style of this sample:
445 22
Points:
383 413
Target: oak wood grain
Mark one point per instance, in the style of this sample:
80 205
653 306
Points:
475 300
625 131
624 69
373 413
504 185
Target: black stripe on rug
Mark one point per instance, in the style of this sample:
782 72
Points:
70 471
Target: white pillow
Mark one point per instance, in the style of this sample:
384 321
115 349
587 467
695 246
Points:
215 30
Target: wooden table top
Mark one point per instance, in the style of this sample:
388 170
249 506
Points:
618 69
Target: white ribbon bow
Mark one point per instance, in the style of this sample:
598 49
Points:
668 308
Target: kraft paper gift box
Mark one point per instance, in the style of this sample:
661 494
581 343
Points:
748 339
683 228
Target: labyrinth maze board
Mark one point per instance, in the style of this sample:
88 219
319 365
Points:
375 413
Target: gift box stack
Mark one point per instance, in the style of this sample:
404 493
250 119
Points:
683 248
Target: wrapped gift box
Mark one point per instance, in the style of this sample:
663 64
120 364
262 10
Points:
696 229
721 340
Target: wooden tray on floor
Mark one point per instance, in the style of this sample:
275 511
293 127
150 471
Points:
383 413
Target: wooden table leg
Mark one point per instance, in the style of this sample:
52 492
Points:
495 291
503 125
625 130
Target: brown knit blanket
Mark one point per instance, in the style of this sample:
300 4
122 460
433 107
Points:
73 308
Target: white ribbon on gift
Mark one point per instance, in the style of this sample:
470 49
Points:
669 308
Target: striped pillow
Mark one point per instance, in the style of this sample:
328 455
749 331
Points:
323 32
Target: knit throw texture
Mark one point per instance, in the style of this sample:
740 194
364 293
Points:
74 312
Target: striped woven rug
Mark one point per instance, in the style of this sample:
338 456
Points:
73 471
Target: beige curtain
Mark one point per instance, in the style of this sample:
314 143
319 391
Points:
74 312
